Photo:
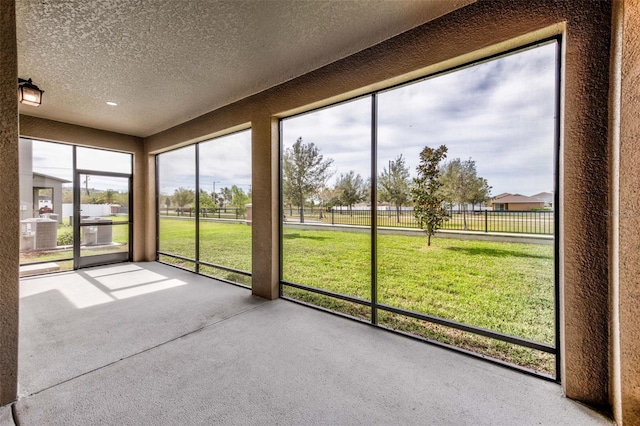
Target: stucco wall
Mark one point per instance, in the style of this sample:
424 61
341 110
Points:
265 238
10 196
626 215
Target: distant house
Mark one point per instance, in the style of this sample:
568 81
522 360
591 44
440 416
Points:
547 197
47 195
516 202
504 194
40 194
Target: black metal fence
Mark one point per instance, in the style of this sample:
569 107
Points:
221 213
515 222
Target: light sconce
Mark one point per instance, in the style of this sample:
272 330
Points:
29 93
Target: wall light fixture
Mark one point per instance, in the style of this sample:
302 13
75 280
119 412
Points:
29 93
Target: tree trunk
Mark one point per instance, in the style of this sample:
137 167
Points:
301 204
464 217
398 213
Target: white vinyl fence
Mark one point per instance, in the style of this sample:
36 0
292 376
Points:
94 210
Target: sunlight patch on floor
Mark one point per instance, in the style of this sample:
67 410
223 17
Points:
93 287
146 289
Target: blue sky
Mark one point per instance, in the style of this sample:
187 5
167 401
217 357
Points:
499 113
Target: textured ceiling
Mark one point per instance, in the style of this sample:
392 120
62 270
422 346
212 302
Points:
167 61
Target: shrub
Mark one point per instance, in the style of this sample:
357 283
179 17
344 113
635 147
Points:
65 237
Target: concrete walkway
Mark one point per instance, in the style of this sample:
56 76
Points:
504 237
147 344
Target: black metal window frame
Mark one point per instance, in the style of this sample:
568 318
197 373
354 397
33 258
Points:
75 258
104 259
197 263
373 303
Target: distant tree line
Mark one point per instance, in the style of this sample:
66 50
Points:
95 196
306 174
184 199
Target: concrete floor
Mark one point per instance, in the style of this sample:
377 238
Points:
147 344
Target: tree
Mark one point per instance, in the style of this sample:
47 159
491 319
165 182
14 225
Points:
239 200
67 195
305 172
167 203
183 197
394 184
351 189
225 197
481 192
121 198
86 184
207 205
328 197
461 185
426 191
108 197
449 177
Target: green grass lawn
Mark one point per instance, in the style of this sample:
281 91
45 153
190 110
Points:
226 244
177 236
505 287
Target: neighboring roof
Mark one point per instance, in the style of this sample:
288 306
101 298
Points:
504 194
515 199
543 195
52 177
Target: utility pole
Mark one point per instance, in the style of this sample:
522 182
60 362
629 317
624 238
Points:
213 194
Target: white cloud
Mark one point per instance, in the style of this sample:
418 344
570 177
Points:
499 113
225 160
342 132
55 159
100 159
